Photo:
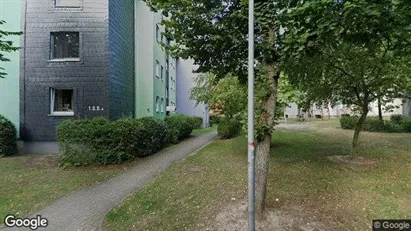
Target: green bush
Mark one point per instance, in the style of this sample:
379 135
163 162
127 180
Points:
180 126
8 137
371 125
101 142
214 120
349 122
406 124
197 122
228 128
397 118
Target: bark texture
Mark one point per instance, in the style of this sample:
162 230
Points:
379 109
263 147
358 128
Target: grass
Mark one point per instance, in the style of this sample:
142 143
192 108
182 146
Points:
201 131
300 175
29 183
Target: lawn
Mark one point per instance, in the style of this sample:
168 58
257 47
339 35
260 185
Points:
31 182
201 131
192 194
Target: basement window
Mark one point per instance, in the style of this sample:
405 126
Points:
68 3
61 102
65 46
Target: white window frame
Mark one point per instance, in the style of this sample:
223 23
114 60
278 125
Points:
56 4
157 31
157 69
162 105
162 73
157 104
52 99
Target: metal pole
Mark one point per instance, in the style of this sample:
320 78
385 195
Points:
251 164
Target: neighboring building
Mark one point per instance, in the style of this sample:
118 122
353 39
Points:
155 69
185 82
406 109
83 59
9 87
78 63
319 111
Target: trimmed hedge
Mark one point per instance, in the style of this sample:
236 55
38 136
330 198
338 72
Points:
197 122
101 142
396 125
228 128
397 118
180 126
8 137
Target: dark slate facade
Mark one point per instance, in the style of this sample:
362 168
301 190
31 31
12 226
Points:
100 78
121 58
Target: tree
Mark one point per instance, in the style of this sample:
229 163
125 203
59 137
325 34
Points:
221 95
349 51
6 47
214 34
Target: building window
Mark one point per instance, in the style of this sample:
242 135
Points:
61 102
161 73
162 104
68 3
157 104
157 31
65 45
157 68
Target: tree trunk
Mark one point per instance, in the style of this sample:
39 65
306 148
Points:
379 109
263 146
358 128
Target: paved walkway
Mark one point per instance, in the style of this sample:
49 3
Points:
86 208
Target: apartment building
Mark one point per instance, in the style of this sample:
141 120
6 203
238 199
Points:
84 59
155 69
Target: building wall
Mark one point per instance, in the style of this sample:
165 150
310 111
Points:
159 55
148 51
9 87
406 110
185 82
88 77
121 58
144 58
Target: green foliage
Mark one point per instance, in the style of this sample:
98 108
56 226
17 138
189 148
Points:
221 95
374 125
8 137
180 126
214 120
101 142
349 122
228 128
406 124
6 46
197 122
397 118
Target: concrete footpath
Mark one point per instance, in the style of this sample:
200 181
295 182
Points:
85 209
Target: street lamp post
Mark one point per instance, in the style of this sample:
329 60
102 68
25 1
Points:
251 145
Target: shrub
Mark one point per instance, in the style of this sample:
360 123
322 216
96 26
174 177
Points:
214 120
406 124
8 137
197 122
373 125
180 126
397 118
100 142
349 122
228 128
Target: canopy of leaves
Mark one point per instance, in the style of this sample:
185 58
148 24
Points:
351 51
215 33
5 47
